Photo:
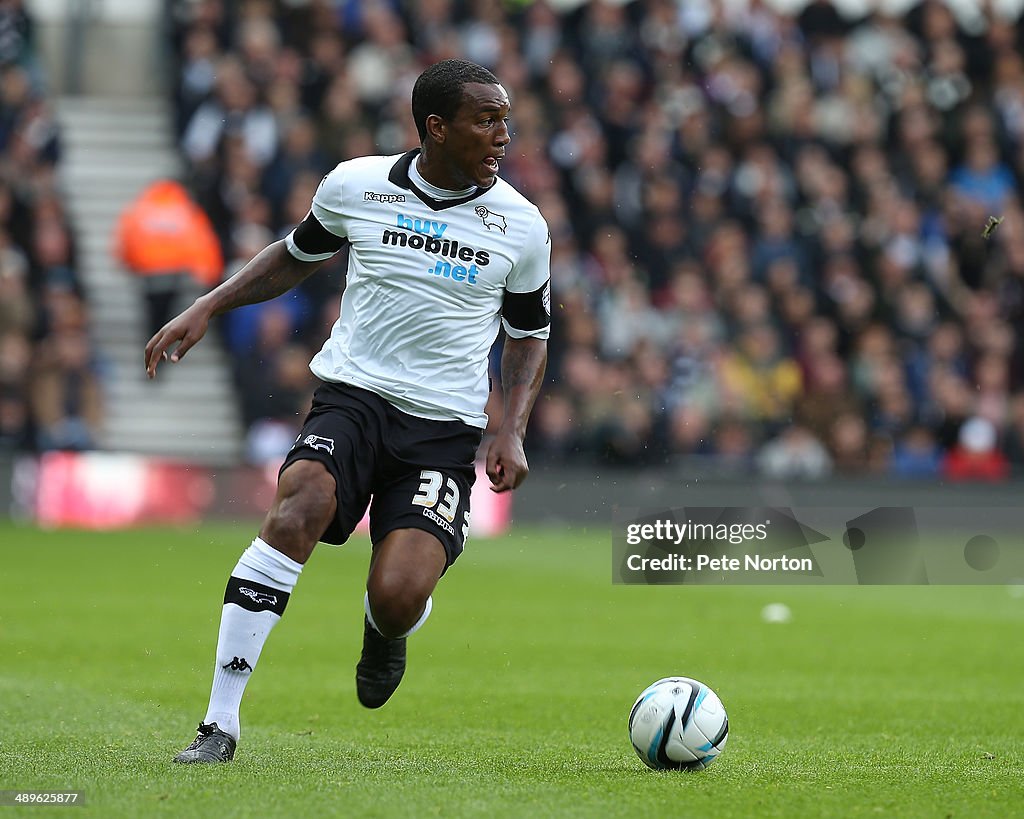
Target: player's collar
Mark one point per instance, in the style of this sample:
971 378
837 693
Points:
400 176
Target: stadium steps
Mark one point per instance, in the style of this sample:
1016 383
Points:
112 148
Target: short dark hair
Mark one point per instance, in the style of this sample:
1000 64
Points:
438 90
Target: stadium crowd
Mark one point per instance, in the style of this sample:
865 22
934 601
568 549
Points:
770 246
50 380
768 230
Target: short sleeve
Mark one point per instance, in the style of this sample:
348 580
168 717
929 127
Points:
526 310
322 233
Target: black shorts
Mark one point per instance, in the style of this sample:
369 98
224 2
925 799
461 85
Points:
411 472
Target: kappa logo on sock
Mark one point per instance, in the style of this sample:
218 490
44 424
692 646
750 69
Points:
258 597
238 664
319 442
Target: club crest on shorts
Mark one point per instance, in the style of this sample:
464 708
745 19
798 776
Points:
319 442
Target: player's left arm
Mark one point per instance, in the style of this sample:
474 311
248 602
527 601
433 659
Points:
526 316
522 371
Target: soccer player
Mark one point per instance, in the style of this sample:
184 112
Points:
441 251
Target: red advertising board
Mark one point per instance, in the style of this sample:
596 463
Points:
103 490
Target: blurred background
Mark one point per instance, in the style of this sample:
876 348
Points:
768 217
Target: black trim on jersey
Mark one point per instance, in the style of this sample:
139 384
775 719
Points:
525 311
253 596
400 176
313 238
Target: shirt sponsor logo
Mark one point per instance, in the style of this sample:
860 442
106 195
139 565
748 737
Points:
426 235
459 273
427 227
386 198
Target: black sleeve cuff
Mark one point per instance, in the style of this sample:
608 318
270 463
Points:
314 239
526 311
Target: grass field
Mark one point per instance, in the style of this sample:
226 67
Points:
872 701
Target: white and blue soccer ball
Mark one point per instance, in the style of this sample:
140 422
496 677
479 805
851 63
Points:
678 724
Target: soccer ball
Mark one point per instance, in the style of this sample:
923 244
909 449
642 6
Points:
678 724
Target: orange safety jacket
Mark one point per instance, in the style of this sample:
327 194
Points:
164 231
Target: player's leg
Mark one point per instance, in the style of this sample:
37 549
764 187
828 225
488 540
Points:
418 523
256 595
263 580
404 570
323 492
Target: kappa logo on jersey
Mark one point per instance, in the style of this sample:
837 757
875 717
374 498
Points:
491 219
319 442
386 198
258 597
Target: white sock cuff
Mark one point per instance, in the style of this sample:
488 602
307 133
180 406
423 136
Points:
416 626
423 617
369 614
267 562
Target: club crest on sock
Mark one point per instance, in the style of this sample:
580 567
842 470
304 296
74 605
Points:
258 597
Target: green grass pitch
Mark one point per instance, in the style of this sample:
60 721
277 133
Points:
871 702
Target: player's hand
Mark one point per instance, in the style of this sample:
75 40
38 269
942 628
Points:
506 462
186 330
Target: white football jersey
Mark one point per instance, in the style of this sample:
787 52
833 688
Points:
429 280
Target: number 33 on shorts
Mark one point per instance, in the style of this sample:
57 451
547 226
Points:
439 497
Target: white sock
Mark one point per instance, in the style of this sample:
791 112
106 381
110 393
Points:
415 626
254 600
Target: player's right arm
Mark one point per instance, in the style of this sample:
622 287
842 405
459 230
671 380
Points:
271 272
274 270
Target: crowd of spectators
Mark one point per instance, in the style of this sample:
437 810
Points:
50 394
767 230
